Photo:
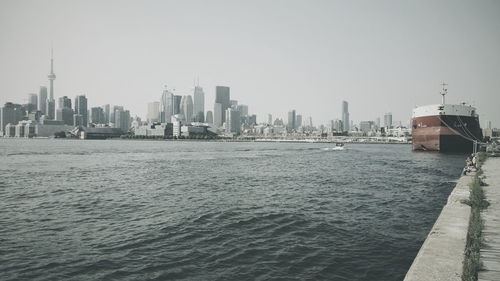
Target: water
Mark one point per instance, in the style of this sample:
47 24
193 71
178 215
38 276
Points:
156 210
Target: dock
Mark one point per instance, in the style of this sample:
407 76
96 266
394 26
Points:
490 251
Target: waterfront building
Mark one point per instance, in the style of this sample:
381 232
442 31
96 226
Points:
65 115
388 120
210 117
218 114
176 126
10 130
366 126
33 101
233 122
298 121
107 109
167 105
153 114
155 129
187 108
81 109
10 113
345 116
122 119
199 104
291 125
97 115
42 100
269 119
223 97
252 120
77 120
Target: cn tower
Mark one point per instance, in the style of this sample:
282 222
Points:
52 75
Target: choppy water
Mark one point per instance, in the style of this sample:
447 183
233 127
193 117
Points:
156 210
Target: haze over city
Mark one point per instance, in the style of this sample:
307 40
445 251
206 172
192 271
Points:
384 56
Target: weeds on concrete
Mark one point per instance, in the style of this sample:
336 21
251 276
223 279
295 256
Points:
477 201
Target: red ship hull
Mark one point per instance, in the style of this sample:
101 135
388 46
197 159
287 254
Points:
446 133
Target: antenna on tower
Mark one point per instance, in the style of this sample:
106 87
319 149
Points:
444 91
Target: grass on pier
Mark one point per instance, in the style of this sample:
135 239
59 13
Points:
477 201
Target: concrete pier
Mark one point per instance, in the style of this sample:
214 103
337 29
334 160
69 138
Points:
490 252
441 256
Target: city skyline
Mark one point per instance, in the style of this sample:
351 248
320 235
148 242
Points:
272 77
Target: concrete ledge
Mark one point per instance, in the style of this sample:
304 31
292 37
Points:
441 256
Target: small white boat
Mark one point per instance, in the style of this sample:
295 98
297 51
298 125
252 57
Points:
338 146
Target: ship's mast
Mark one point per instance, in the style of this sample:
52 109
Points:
444 91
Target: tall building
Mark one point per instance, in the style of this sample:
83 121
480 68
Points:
199 103
187 108
42 100
298 121
81 109
243 109
218 114
122 119
210 117
33 100
10 113
64 102
291 125
97 115
388 120
233 121
51 103
153 112
345 116
223 97
233 104
107 109
269 119
167 106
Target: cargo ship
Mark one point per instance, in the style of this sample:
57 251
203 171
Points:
446 127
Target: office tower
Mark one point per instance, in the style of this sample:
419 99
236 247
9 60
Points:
310 121
388 120
210 117
106 113
33 100
218 114
177 104
290 126
222 96
42 100
377 122
199 103
97 115
345 116
233 104
166 106
269 119
298 121
233 122
252 120
366 126
81 109
65 114
122 119
488 124
10 113
51 103
64 102
187 108
153 112
243 109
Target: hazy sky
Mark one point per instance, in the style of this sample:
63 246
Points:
379 56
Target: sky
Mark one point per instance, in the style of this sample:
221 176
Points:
275 55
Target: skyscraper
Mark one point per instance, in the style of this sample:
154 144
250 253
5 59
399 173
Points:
42 100
166 106
199 103
298 121
153 112
51 103
97 115
388 120
65 112
177 104
64 102
345 116
233 121
210 117
33 100
107 112
217 114
269 119
10 113
187 108
243 109
291 125
81 109
222 96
